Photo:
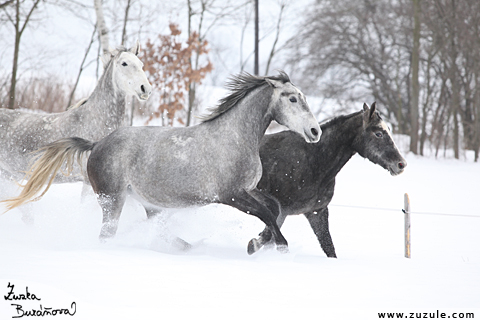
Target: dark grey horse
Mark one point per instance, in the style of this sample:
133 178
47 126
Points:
94 118
216 161
302 176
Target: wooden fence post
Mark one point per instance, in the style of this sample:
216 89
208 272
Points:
406 211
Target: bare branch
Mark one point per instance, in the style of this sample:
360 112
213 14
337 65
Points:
6 3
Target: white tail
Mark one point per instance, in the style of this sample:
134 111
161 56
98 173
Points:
46 167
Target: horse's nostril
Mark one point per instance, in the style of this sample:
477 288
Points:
314 132
401 165
142 88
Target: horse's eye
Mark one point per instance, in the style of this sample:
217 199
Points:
379 134
124 64
293 99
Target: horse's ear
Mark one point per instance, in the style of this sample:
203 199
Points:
373 108
136 48
367 114
365 107
274 83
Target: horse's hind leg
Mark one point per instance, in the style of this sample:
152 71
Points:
265 208
112 205
319 223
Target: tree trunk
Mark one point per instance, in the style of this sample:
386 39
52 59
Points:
476 147
101 26
191 87
256 66
426 106
13 83
18 34
415 84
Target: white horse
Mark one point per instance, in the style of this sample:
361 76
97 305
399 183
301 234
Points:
22 132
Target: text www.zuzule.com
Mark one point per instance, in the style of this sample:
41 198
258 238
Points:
426 315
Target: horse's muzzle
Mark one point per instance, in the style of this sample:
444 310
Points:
146 91
312 135
398 168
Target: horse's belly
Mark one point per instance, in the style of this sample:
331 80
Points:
176 194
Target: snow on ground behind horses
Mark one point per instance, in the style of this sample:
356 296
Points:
139 274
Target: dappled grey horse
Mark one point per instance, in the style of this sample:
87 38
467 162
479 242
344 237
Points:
22 132
302 176
216 161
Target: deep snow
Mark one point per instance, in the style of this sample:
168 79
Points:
141 275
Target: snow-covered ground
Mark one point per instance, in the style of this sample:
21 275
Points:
141 275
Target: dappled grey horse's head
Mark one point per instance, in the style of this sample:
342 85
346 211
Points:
128 75
376 142
287 104
290 108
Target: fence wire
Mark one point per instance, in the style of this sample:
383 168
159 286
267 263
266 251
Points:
402 210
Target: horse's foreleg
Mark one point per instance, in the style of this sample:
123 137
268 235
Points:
319 223
265 208
152 213
265 237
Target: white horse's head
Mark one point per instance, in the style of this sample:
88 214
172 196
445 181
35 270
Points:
128 75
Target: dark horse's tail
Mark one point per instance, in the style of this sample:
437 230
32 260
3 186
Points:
46 166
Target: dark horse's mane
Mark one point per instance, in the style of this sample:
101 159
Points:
240 86
331 122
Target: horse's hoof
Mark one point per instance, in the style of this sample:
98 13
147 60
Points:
253 246
282 248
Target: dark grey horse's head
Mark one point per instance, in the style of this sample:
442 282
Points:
376 142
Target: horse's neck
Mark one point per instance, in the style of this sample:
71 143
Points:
337 145
107 102
248 121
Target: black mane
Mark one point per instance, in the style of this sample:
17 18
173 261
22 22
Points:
336 120
331 122
240 86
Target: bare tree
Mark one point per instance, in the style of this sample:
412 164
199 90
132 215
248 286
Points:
415 84
273 50
82 67
19 26
125 20
257 39
357 51
216 13
6 3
